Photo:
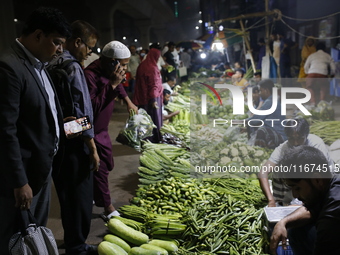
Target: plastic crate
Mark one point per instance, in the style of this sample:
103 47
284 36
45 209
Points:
281 251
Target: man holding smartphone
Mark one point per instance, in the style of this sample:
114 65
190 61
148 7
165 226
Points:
104 77
74 180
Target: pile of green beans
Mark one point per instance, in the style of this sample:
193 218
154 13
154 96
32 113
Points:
242 189
329 131
224 226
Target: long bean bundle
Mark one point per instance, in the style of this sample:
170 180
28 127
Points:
224 226
329 131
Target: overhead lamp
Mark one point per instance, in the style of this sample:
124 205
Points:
217 45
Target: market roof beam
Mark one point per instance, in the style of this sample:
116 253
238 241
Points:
275 12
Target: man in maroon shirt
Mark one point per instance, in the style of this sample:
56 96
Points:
104 77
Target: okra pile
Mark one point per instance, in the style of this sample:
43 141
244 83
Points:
224 225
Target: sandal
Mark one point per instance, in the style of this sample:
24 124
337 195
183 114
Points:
106 218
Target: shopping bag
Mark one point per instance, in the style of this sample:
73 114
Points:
182 71
32 239
138 127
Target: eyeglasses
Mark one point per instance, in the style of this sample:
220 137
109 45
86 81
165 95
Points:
88 48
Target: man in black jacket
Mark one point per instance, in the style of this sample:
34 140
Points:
30 120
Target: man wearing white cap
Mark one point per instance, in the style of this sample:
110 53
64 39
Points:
104 77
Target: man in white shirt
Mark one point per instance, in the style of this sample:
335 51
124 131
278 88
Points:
185 58
169 85
176 54
297 135
282 195
166 98
132 67
317 67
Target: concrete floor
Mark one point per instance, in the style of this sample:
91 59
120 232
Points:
123 182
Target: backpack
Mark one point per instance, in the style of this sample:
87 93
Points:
62 86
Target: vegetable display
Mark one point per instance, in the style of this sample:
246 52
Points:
160 161
125 232
179 209
224 226
323 111
118 242
105 248
329 131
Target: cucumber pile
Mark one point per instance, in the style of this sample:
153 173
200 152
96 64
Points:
161 161
125 240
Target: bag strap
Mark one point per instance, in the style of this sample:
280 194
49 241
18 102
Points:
66 62
26 219
63 63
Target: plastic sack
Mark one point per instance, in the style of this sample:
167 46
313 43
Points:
323 111
137 127
334 151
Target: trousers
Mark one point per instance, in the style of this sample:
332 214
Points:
74 186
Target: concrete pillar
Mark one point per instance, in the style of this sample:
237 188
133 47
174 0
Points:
160 33
7 25
104 24
144 28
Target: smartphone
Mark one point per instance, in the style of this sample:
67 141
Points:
78 125
114 64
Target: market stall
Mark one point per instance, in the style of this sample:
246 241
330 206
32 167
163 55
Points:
180 207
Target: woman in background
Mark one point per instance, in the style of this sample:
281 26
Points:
149 91
307 49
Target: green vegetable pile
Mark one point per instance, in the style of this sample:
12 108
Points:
124 240
170 68
229 148
215 214
206 73
161 161
173 195
224 112
224 226
329 131
323 111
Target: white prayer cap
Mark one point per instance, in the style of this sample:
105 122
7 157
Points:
116 50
